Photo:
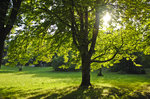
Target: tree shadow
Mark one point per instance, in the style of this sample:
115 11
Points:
7 93
12 93
92 93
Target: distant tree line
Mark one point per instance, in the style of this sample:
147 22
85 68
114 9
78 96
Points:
58 62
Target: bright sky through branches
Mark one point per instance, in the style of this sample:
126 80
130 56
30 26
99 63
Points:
106 19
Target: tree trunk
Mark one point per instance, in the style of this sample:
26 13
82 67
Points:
3 10
6 28
1 50
20 68
100 72
85 72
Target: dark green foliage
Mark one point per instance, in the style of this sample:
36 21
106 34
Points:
146 61
58 61
127 66
42 64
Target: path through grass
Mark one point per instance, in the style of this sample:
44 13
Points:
37 82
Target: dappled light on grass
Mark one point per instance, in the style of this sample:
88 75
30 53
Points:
94 92
37 82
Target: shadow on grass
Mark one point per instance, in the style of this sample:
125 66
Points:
12 93
7 93
92 93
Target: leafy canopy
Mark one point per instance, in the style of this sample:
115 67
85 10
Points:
46 29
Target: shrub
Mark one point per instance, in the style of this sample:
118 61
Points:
127 66
59 65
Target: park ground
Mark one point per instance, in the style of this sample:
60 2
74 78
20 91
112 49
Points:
44 83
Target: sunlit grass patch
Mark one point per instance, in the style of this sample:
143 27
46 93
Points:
37 82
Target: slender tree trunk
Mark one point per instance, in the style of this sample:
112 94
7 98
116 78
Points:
100 72
1 52
20 68
2 42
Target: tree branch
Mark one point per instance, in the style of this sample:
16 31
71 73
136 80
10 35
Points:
98 56
13 16
117 51
61 20
73 25
86 22
105 60
102 54
95 31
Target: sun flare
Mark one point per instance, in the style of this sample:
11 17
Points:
106 19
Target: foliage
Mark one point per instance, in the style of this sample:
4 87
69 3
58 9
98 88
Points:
145 61
127 66
59 64
51 36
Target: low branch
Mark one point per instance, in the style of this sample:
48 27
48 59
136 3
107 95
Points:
102 54
98 61
105 60
117 51
98 56
91 10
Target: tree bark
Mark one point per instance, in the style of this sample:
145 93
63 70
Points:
81 38
3 10
1 50
85 72
84 45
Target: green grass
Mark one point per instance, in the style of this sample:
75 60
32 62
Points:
37 82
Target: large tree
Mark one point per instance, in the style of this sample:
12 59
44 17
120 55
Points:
62 25
8 14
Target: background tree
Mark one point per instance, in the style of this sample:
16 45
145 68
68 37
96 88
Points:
59 64
128 66
9 10
145 61
54 25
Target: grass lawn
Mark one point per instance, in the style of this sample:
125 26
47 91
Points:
37 83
